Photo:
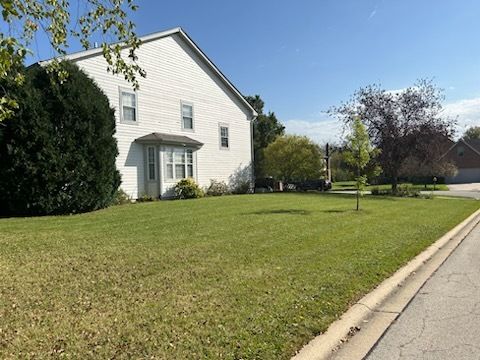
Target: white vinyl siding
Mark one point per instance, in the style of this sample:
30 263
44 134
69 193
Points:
175 74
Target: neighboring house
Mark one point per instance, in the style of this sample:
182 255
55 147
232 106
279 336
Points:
465 154
186 120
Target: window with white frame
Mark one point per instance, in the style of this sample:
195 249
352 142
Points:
187 116
178 163
224 137
128 101
151 163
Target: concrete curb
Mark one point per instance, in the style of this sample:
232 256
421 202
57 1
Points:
323 346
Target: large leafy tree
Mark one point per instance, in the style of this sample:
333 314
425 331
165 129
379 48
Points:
57 152
294 158
400 124
266 128
100 19
472 133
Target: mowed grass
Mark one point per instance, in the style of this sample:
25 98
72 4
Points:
238 277
350 185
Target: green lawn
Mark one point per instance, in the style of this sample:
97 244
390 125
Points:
238 277
350 185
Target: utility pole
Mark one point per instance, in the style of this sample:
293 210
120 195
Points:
327 161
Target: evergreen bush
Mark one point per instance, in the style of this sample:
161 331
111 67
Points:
57 153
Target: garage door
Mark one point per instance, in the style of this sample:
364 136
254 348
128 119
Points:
465 176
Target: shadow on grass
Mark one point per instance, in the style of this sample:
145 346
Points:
335 211
280 211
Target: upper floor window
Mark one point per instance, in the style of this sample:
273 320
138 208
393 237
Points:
460 151
224 137
187 116
128 102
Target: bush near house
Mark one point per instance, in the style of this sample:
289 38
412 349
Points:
217 188
188 189
57 153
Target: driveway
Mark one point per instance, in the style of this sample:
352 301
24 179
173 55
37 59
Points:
443 319
464 187
471 190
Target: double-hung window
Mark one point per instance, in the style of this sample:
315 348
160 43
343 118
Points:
128 102
187 116
224 137
178 163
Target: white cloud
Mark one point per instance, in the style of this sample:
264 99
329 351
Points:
372 14
320 131
467 112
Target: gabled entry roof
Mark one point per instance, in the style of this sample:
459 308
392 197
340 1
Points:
168 139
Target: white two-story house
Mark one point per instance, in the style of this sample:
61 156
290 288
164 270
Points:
186 120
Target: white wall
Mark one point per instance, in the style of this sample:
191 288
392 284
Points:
176 73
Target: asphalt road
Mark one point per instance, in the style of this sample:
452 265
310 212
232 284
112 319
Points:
443 319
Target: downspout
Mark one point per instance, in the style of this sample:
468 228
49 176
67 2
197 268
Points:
252 149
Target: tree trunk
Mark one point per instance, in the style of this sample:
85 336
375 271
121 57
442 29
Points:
394 183
358 199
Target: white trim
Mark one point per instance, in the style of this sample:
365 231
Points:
155 176
220 126
158 35
187 103
174 149
122 90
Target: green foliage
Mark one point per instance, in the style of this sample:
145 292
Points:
266 128
339 168
217 188
240 182
294 158
25 18
472 133
358 154
145 198
403 190
122 198
57 153
188 189
405 126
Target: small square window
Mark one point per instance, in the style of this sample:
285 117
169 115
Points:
460 151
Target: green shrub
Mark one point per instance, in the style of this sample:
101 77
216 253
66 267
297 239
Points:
188 189
122 198
406 190
402 191
145 198
217 188
57 153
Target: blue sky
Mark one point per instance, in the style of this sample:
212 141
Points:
304 56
